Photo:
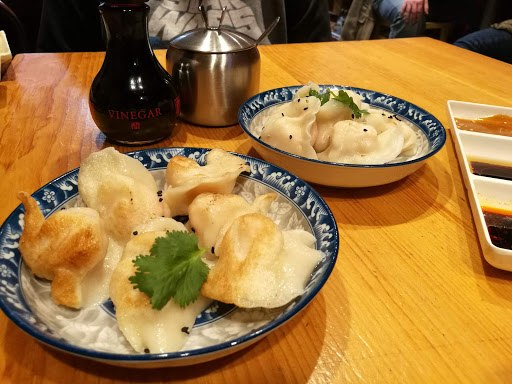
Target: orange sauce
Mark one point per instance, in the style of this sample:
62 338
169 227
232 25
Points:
499 225
495 125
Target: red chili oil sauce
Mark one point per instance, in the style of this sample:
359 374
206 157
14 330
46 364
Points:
495 125
499 225
497 170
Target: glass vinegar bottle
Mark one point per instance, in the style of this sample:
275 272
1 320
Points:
133 99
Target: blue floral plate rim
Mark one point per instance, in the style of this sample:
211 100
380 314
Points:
155 158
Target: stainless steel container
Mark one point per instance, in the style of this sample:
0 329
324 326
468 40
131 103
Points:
217 69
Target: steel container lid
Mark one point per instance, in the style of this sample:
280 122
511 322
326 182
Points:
218 40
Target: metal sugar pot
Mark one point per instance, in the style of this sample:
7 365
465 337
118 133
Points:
217 69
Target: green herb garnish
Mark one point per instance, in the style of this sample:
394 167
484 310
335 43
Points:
324 98
173 269
342 97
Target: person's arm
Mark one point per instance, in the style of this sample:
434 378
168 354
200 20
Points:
412 10
307 21
70 26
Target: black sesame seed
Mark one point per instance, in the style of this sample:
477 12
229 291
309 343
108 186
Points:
160 199
146 350
291 137
213 249
135 233
63 208
365 130
306 108
398 118
159 193
259 137
352 115
298 100
390 117
185 330
383 114
282 114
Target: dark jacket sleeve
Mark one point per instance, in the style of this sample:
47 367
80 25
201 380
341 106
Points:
307 21
70 26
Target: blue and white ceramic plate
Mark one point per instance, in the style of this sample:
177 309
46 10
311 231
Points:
220 330
430 132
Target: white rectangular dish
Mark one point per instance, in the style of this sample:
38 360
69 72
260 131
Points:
493 192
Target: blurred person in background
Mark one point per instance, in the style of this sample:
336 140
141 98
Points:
75 25
495 41
405 18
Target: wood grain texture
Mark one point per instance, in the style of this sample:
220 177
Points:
411 298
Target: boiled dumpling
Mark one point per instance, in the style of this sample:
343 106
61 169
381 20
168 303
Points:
382 121
410 139
304 91
121 189
294 128
145 328
328 115
186 179
64 248
267 267
354 142
210 214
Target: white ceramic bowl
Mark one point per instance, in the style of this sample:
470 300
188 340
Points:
337 174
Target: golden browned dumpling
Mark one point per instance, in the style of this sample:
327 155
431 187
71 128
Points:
259 265
164 330
186 179
210 214
63 248
121 189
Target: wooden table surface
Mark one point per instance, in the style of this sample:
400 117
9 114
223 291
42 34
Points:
411 298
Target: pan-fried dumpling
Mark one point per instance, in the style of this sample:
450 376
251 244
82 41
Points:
266 267
186 179
64 248
158 331
121 189
354 142
294 129
210 214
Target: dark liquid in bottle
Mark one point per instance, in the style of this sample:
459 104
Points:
133 100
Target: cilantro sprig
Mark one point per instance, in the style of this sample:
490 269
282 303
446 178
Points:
173 269
342 97
324 97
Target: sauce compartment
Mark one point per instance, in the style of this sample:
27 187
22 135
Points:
486 164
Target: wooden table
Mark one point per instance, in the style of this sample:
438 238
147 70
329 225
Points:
411 298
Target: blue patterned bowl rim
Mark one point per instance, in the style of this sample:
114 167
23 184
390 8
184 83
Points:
155 158
429 125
